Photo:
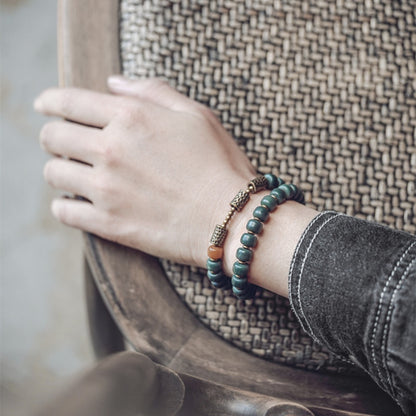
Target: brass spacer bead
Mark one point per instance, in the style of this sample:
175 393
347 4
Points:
218 236
240 200
257 184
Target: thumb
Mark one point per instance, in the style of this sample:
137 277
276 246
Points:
153 89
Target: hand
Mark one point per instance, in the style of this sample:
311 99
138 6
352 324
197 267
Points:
157 167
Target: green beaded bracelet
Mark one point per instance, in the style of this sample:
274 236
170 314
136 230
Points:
215 251
280 193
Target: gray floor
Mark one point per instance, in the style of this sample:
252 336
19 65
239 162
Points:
44 339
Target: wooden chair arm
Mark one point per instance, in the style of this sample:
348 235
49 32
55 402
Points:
130 384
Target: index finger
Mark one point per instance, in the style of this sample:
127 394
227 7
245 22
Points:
78 105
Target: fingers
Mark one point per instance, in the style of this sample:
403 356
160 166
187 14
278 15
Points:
69 176
82 106
80 214
71 140
154 90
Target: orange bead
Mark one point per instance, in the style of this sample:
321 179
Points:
215 253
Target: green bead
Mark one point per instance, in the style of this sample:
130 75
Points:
279 194
248 240
261 213
214 266
238 282
240 269
272 180
269 202
298 196
240 293
244 254
255 226
246 293
295 190
287 190
221 284
215 277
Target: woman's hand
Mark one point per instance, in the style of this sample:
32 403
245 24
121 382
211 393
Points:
157 167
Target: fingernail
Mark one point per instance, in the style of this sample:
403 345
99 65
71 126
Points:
117 81
38 105
55 207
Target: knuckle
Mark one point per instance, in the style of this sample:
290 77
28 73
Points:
103 187
110 153
151 84
156 83
131 114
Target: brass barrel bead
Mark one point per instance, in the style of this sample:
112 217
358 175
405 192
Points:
240 200
258 183
218 236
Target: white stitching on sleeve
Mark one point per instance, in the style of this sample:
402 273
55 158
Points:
296 253
387 325
301 273
378 312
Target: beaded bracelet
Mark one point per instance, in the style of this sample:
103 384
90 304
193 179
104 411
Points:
242 289
215 251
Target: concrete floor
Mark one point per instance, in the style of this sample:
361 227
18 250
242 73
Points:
44 337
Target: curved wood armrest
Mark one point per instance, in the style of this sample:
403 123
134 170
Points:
130 384
156 322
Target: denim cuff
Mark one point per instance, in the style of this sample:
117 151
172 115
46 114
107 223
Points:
352 287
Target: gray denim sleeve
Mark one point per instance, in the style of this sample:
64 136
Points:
352 285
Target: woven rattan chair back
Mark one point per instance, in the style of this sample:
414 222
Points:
319 93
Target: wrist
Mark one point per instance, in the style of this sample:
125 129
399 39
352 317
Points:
211 209
269 267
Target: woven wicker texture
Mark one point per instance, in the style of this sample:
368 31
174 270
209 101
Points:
321 93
